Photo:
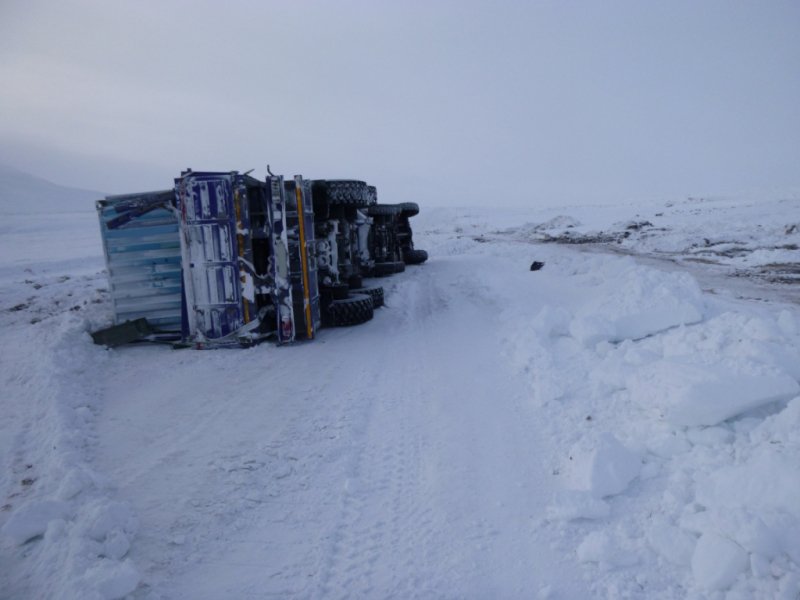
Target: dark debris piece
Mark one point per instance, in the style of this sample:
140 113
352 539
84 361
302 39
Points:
125 333
536 265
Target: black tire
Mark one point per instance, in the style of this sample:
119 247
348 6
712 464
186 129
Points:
340 192
383 210
409 209
375 292
372 195
382 269
414 257
337 291
353 310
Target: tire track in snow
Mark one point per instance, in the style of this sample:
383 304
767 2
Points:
382 530
443 497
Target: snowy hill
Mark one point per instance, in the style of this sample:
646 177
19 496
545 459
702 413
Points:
622 423
22 193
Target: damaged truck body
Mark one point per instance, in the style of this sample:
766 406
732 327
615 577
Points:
225 259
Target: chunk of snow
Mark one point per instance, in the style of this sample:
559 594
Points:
75 481
113 579
726 395
672 543
598 547
669 445
116 545
604 468
570 504
695 394
710 436
717 562
637 303
757 503
104 517
31 520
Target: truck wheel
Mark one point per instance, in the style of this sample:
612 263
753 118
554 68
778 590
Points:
383 210
375 292
415 257
341 192
354 310
382 269
337 291
409 209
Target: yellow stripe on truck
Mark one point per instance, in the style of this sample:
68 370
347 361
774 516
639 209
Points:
303 256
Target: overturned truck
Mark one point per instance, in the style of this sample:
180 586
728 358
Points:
225 259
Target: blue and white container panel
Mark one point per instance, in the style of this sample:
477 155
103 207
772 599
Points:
141 242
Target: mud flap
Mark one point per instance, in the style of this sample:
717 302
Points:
124 333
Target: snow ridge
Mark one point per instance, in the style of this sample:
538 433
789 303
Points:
66 536
687 453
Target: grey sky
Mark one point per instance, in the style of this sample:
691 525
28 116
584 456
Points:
442 102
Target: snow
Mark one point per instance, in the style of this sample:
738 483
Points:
604 468
32 520
623 423
636 302
717 561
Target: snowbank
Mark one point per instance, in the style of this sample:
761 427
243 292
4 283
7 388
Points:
634 302
72 534
684 465
688 394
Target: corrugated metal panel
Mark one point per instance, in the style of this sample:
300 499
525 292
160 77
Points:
143 257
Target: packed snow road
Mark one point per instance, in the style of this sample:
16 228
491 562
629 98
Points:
397 459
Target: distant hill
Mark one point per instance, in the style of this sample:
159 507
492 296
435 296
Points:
23 193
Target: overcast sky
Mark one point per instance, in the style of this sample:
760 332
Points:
442 102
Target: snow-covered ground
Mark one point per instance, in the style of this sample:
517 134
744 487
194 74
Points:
622 423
